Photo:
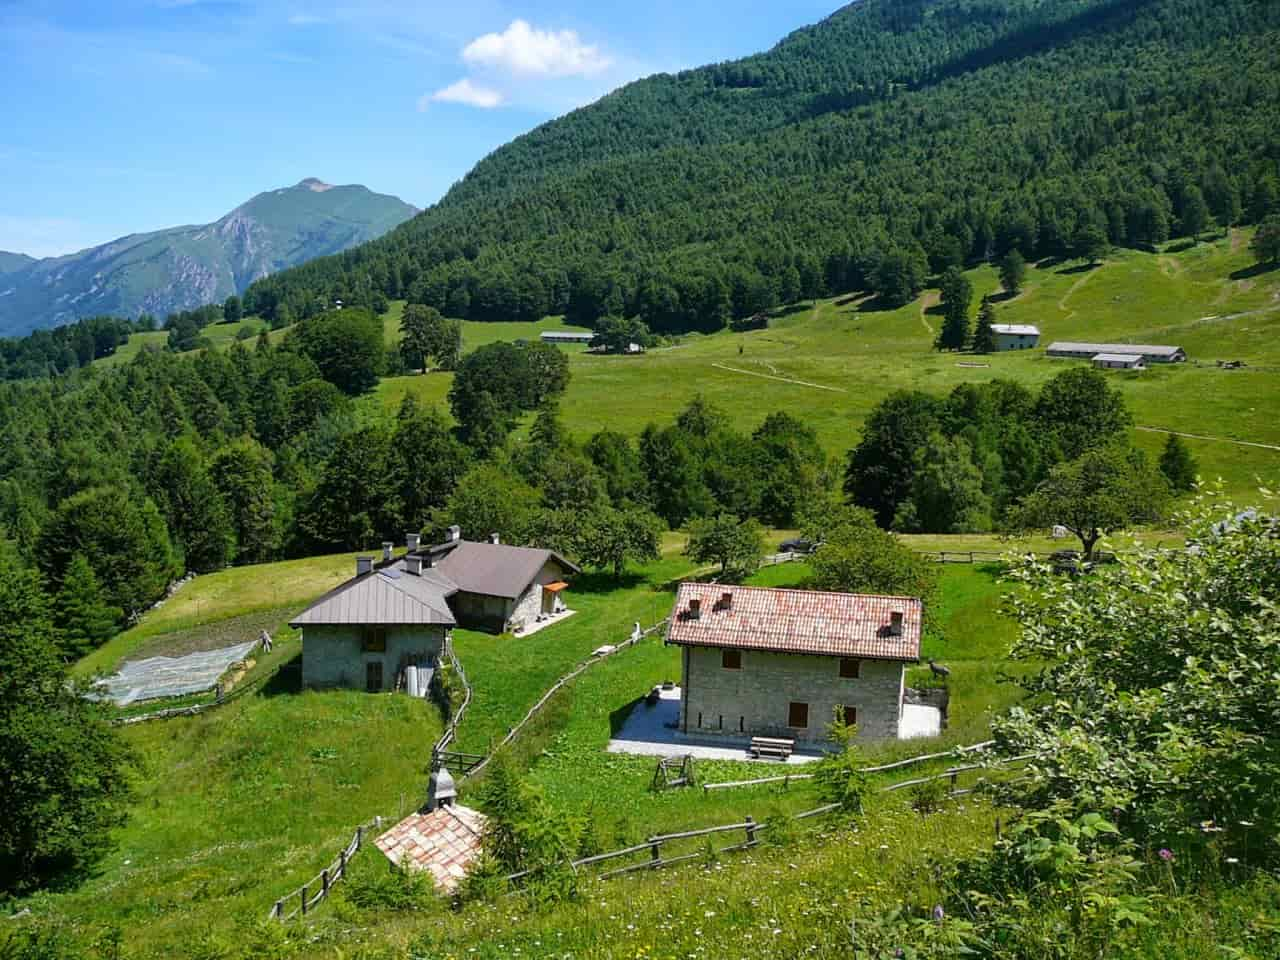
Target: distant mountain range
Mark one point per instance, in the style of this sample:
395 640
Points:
185 267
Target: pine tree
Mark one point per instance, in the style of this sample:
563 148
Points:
984 338
1013 270
1178 465
82 617
956 294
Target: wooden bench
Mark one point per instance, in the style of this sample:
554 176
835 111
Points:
776 747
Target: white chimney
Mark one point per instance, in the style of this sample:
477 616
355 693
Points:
412 540
493 538
895 623
455 533
413 565
441 790
363 565
387 547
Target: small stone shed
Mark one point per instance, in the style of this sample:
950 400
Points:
779 663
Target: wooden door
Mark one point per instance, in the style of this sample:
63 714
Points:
373 676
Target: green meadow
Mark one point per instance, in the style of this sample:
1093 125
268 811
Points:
830 362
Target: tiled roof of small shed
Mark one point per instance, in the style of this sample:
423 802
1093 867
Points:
444 842
797 621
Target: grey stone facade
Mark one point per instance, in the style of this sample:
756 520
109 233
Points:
478 612
755 700
333 655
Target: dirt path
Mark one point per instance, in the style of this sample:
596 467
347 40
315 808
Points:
1197 436
767 376
1062 304
929 300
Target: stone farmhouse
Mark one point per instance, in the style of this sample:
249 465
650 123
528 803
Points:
399 613
1015 336
762 662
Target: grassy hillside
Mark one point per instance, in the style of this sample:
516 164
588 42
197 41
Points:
238 805
830 362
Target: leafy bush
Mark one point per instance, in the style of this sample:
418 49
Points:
396 888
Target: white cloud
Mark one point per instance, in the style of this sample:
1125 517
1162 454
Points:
466 92
523 49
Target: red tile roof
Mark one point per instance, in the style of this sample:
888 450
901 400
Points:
444 842
797 621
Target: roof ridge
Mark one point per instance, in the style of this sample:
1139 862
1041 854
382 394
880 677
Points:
821 593
392 582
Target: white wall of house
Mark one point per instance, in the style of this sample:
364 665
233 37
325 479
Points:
755 699
1016 341
332 656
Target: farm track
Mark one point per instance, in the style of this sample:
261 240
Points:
767 376
1197 436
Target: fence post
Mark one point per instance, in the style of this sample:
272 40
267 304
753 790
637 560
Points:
278 910
942 556
655 852
359 836
971 556
751 830
303 895
955 779
324 881
342 863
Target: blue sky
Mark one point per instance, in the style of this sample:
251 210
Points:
128 115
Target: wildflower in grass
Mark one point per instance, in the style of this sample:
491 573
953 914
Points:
938 913
1166 854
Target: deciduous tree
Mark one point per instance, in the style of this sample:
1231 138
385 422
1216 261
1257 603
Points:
737 545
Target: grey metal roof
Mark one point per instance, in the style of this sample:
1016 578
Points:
386 597
495 569
1119 357
1129 349
1016 329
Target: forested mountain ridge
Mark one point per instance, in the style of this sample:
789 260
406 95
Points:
888 140
185 267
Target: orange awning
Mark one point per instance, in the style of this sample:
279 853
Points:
555 587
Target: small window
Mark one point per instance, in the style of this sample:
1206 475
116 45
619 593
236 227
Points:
849 715
849 668
798 716
731 659
374 640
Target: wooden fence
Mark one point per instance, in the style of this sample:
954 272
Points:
308 896
787 778
451 731
752 828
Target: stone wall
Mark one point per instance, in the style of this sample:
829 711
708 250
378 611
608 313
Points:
332 657
755 700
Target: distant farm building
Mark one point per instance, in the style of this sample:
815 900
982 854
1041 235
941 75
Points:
1015 336
561 337
766 663
399 614
1119 361
1150 353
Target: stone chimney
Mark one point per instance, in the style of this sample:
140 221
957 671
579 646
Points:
455 534
695 608
895 623
363 565
441 790
494 539
726 601
387 547
412 541
413 565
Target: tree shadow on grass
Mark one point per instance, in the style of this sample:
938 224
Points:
1257 270
602 581
286 680
1078 268
878 304
791 308
1180 247
936 310
1000 296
